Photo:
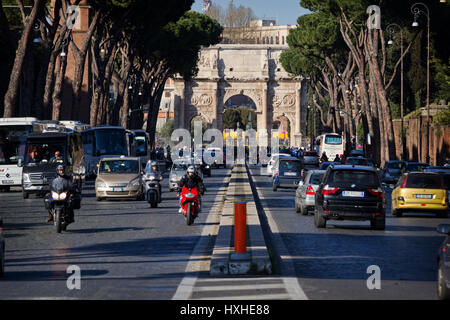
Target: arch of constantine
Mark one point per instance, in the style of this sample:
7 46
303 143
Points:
255 71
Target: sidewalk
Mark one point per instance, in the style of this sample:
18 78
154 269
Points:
224 261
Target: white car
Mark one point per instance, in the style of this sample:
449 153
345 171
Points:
272 161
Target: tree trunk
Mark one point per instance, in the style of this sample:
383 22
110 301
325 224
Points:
57 94
14 83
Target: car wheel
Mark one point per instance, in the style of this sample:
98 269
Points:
99 199
274 188
303 210
297 207
397 212
378 224
443 290
319 221
25 195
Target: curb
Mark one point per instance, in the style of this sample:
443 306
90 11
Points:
224 261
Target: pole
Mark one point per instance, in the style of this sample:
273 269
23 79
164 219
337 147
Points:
428 91
240 227
402 98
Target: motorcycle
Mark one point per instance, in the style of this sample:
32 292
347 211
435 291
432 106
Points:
190 203
152 190
61 202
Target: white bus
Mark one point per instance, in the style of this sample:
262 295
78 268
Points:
330 143
13 138
101 142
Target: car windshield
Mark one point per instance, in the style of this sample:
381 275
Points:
111 142
180 167
45 152
336 140
292 165
416 167
119 166
11 151
426 181
357 177
357 161
141 146
394 165
316 178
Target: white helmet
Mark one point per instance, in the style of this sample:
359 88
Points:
191 169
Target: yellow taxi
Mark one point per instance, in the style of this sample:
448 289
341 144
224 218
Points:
419 191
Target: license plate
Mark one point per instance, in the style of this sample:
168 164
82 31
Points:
290 174
424 196
353 194
39 188
117 189
7 182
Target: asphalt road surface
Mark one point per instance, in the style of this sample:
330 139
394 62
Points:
123 248
332 263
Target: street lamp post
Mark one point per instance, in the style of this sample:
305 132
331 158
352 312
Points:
391 30
416 10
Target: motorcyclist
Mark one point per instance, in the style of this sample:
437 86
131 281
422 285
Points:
337 158
154 171
67 184
191 180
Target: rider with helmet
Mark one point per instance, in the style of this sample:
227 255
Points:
154 171
192 180
67 184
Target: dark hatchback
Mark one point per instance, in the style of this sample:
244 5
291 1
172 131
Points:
351 193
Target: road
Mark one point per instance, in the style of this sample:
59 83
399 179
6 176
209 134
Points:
332 263
124 249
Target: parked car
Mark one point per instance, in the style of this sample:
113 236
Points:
446 178
311 158
287 173
2 250
420 191
415 167
325 165
357 161
350 193
272 161
119 177
443 264
392 171
305 195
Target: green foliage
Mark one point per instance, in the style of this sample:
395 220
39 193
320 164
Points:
442 80
244 114
360 134
167 129
231 117
443 117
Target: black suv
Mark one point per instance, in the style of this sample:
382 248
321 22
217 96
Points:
350 193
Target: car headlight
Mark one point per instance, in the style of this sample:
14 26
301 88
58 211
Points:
207 167
134 184
26 178
101 185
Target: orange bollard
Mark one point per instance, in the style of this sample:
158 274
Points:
240 227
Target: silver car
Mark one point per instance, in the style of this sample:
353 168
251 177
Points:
311 158
2 251
178 170
306 192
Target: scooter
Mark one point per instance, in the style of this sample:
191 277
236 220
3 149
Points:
190 203
152 190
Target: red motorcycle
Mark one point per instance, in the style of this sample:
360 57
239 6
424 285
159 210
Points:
190 204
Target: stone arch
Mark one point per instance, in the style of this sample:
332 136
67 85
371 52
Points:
253 94
288 127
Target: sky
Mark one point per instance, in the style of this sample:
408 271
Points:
284 11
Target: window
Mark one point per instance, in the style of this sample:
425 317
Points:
335 140
359 178
119 166
428 181
282 40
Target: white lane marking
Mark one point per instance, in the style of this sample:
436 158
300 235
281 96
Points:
292 285
241 287
186 286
